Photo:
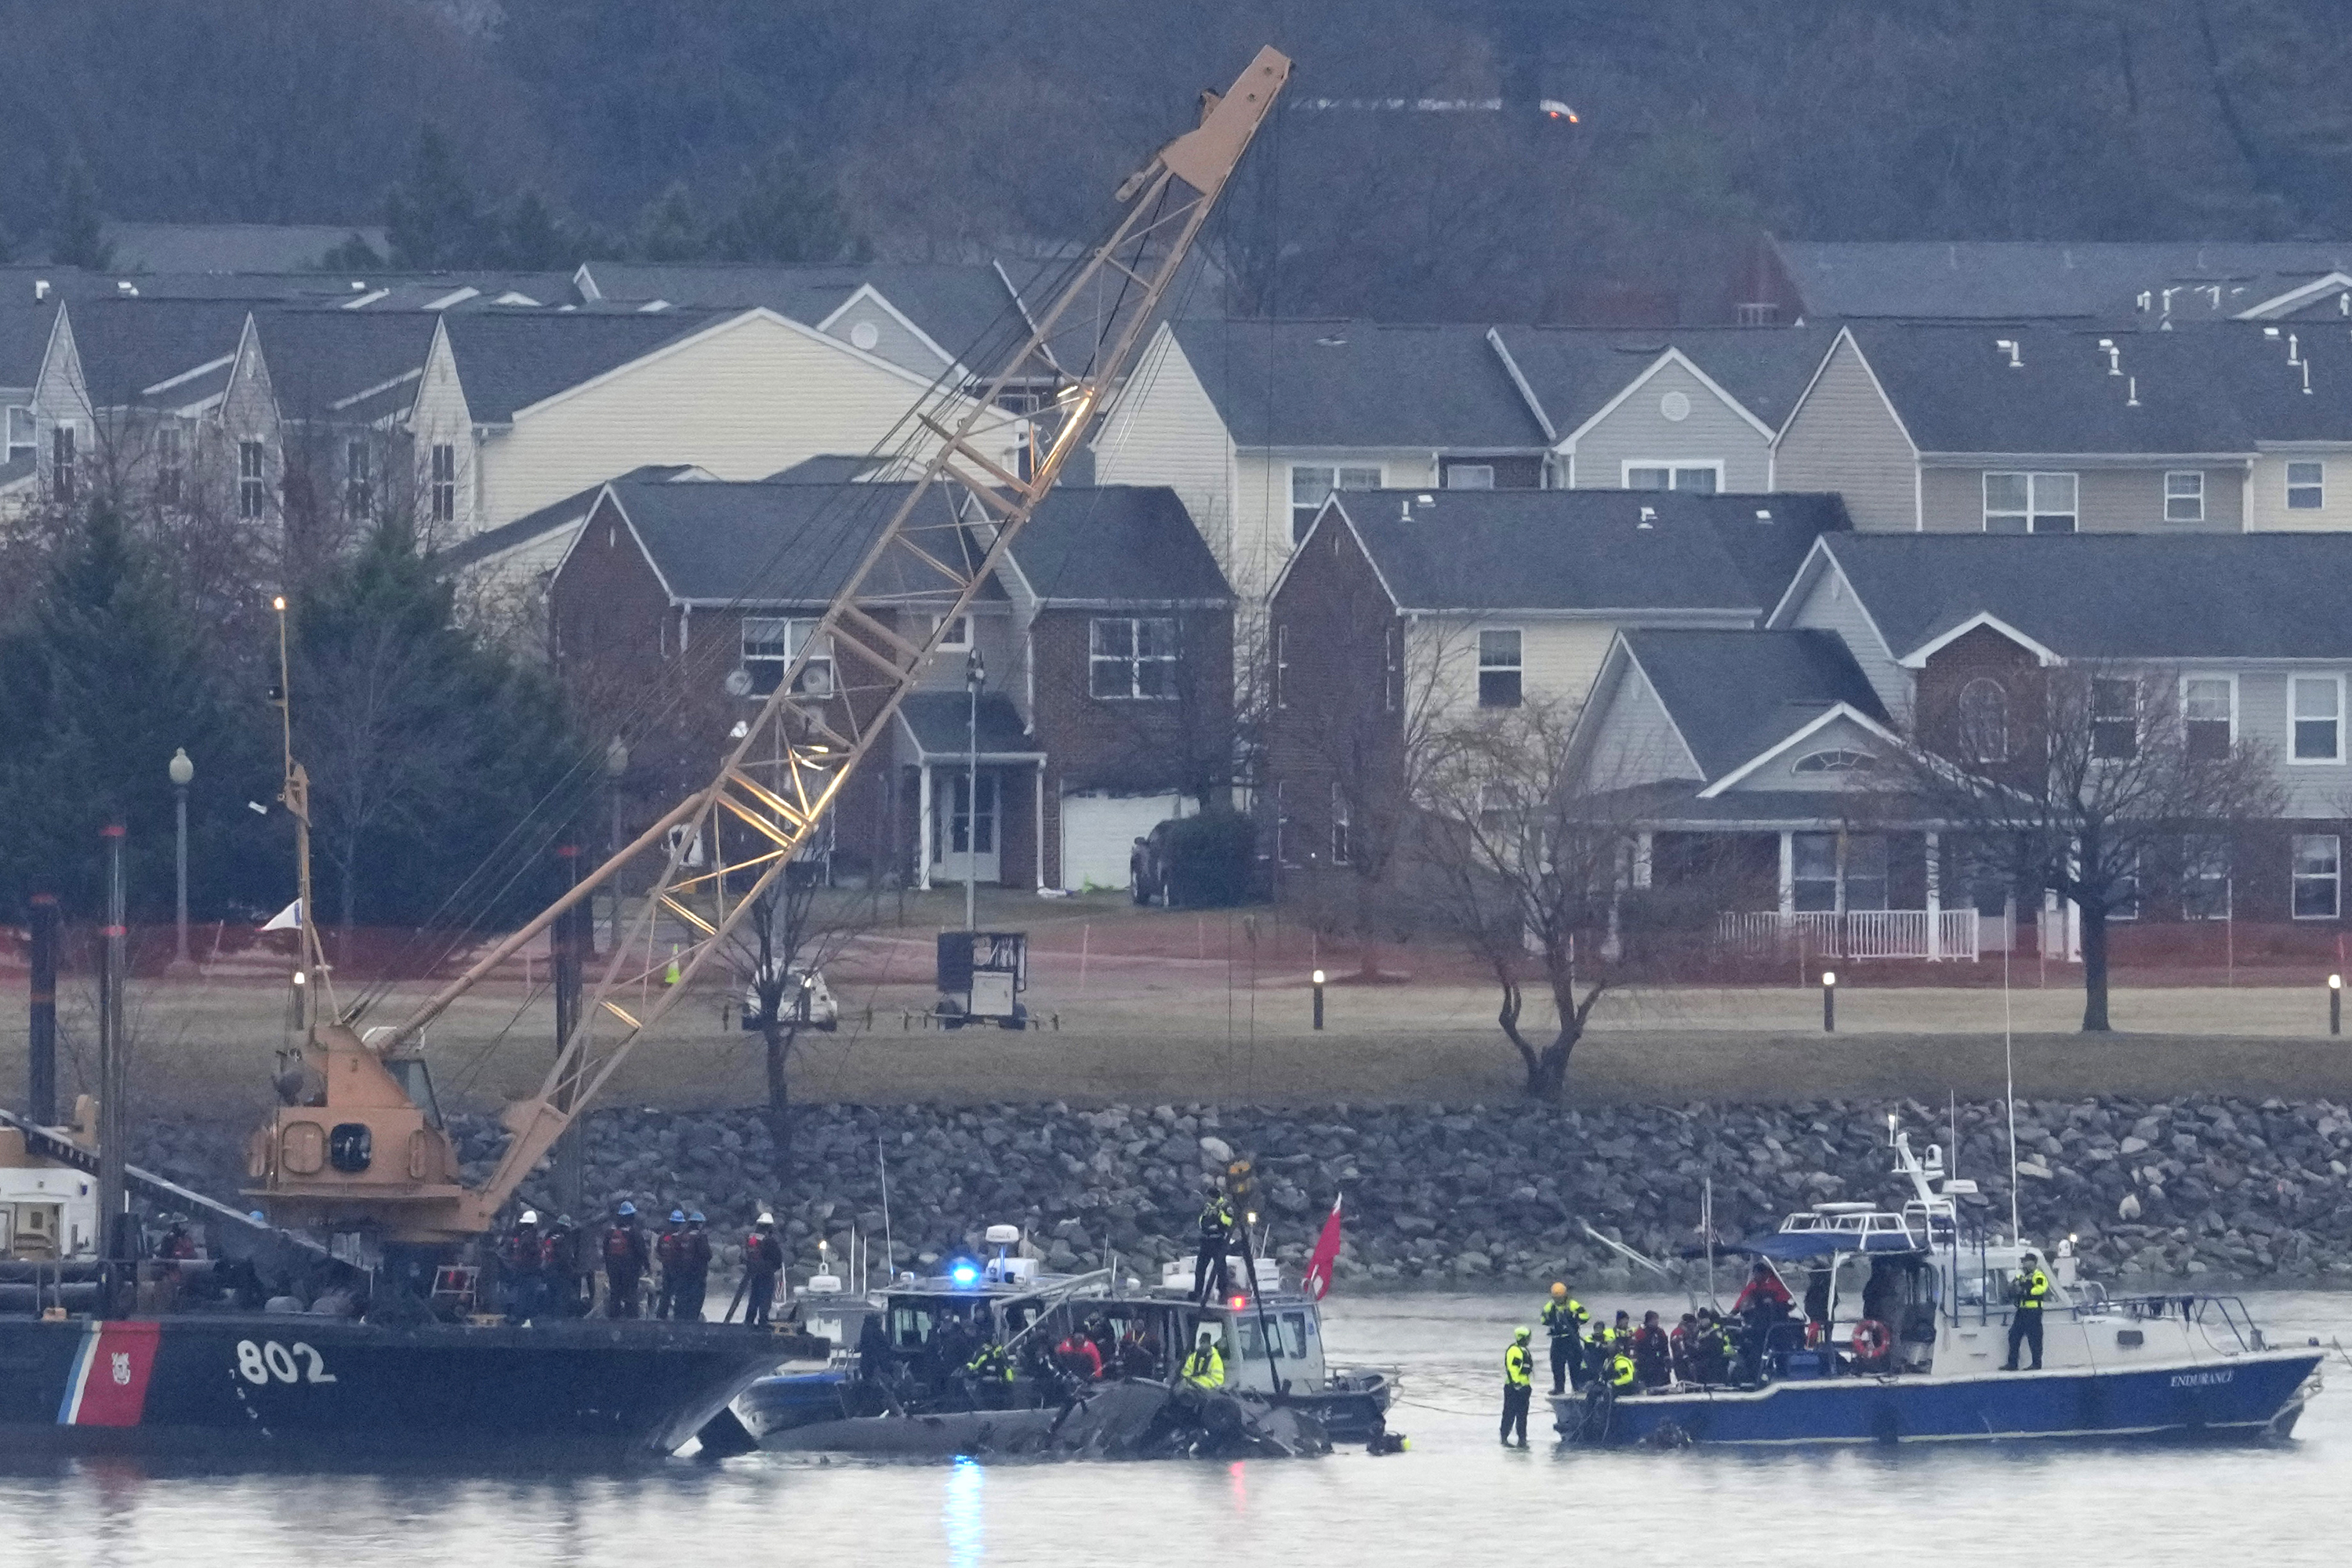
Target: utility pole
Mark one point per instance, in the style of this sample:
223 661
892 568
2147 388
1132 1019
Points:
182 771
41 1036
112 1121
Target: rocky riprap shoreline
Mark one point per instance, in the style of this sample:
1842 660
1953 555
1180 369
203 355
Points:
1456 1196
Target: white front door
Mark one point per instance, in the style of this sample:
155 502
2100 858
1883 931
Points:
964 841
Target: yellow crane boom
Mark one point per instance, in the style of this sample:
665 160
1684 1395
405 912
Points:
788 764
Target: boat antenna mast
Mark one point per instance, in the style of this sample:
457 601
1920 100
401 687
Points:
790 761
294 793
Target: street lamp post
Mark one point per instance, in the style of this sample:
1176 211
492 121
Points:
975 674
1829 1000
182 771
616 763
1318 998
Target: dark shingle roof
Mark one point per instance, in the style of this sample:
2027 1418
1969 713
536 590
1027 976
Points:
510 361
2113 595
1734 695
1998 280
572 508
940 722
2210 389
1586 550
25 329
129 345
718 542
1357 383
1128 543
320 360
1575 371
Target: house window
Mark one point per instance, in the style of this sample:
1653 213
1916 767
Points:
2123 893
20 434
2184 497
1865 871
359 479
1392 677
954 633
2209 712
170 464
1813 879
1132 657
1339 825
2205 878
1469 476
252 486
2318 703
1311 484
1835 762
2306 486
1498 669
2029 503
1705 478
1282 666
2114 720
444 487
61 463
770 645
2317 872
1984 722
1285 842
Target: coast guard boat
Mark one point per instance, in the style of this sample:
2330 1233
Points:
1905 1328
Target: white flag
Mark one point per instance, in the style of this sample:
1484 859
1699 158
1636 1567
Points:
287 919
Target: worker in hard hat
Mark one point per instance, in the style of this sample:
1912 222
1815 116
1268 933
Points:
522 1270
694 1267
1206 1367
625 1256
1518 1384
764 1263
1564 1318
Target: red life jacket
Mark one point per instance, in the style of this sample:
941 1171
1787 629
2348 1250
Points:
669 1248
620 1243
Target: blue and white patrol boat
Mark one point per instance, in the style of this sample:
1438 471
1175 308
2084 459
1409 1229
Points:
1899 1332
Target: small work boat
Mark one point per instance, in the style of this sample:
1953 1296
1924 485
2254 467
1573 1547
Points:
906 1389
1903 1334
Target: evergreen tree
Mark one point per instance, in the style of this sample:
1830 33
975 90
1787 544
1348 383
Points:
532 238
785 217
353 255
433 220
77 235
106 679
669 230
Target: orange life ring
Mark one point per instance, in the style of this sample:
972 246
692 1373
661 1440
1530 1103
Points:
1872 1340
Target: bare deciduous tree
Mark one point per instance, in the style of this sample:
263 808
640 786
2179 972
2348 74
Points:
2086 782
792 932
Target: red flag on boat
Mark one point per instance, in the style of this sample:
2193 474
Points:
1318 1280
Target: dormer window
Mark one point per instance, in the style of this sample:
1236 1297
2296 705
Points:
1984 722
1838 760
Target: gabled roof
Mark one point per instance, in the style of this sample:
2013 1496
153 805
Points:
2009 279
939 724
24 328
1735 696
325 363
1574 371
759 543
127 346
1101 545
2112 596
1358 383
508 361
956 305
1566 550
568 512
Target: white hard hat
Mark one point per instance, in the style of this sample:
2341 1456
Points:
531 1217
766 1218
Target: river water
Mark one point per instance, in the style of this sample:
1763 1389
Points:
1455 1498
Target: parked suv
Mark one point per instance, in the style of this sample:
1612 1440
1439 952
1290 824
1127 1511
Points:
823 1012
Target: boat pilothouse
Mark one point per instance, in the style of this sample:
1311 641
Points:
1896 1327
997 1356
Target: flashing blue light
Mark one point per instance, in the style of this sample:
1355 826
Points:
963 1274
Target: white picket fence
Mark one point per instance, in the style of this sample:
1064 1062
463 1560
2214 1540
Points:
1856 934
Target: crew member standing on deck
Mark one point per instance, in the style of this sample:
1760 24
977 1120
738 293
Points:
694 1265
764 1260
666 1253
624 1254
1209 1261
1564 1318
1519 1385
521 1266
2027 1293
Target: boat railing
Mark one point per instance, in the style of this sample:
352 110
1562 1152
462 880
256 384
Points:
2227 1313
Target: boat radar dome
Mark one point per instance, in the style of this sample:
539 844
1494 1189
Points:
1004 1236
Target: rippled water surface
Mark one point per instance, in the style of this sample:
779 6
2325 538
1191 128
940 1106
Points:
1455 1498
